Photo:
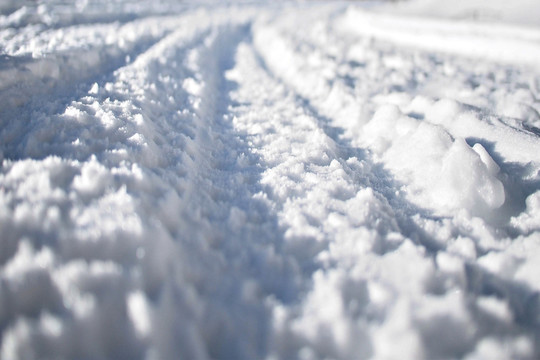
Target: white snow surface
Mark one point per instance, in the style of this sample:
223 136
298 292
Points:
520 12
267 181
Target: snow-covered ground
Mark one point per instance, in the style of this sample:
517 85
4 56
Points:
268 180
520 12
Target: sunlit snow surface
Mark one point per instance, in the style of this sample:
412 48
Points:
266 181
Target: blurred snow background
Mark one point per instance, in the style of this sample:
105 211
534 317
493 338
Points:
519 12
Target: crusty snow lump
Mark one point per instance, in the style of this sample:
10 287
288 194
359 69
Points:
268 180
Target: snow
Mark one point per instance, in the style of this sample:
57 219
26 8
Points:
256 180
522 12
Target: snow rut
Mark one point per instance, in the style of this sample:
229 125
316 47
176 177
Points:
343 105
185 244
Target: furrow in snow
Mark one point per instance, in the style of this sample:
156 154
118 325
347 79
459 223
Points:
113 157
311 63
334 105
163 165
350 102
321 208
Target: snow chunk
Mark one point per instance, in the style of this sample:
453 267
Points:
444 111
529 220
94 90
443 172
93 180
490 164
138 310
496 308
466 181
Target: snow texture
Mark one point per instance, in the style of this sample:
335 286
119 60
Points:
268 181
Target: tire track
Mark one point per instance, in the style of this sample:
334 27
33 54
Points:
299 65
84 242
194 244
338 125
319 204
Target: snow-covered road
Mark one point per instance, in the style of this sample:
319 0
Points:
267 181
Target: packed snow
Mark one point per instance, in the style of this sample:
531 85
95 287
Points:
269 180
